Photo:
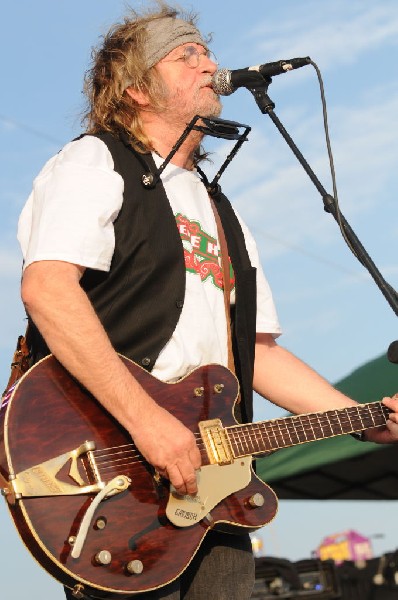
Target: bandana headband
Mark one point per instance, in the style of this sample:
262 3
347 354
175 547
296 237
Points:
165 34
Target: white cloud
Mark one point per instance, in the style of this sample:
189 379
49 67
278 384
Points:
7 124
324 321
336 32
273 193
343 284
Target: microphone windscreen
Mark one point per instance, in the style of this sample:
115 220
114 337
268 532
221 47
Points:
392 353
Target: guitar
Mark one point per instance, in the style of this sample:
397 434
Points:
94 513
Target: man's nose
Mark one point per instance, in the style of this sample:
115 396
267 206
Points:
207 64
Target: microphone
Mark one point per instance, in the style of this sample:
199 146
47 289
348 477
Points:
225 82
392 353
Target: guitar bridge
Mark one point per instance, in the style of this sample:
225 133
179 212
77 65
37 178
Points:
216 442
42 480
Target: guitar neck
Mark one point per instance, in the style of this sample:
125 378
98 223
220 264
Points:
267 436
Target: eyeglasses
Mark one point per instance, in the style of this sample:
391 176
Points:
191 57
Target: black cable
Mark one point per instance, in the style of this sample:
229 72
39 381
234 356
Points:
333 176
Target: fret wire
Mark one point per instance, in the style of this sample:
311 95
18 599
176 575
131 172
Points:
234 435
240 443
283 427
287 431
317 426
245 430
256 441
256 431
232 443
270 436
358 420
371 415
278 434
305 430
361 419
350 420
311 430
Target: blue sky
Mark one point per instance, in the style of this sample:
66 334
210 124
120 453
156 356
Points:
332 314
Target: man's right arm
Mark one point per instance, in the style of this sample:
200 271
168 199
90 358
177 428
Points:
67 321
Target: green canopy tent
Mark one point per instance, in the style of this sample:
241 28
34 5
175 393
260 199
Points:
340 468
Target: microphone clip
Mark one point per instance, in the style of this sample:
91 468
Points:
263 101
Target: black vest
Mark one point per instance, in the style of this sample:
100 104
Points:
139 300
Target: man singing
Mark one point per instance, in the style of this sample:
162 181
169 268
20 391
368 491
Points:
111 267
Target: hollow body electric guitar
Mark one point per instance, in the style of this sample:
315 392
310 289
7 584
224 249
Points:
94 513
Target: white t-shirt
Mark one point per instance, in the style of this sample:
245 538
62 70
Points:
69 216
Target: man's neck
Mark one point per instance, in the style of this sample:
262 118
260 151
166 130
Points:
184 157
163 138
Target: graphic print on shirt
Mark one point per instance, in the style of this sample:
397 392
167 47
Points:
201 252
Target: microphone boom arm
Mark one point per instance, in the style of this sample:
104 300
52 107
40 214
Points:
266 106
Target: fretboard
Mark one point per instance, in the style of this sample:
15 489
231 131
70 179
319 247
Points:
267 436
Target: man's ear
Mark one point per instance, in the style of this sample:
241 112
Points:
139 97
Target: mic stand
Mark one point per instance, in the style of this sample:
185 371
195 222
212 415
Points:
266 105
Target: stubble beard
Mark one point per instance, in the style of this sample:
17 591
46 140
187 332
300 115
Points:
179 111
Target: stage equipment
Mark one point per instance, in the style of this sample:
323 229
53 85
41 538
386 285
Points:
305 579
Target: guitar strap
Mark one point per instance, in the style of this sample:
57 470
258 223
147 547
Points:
225 267
20 361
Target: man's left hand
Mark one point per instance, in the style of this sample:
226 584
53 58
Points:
389 433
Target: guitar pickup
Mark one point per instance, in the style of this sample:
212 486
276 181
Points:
216 442
42 480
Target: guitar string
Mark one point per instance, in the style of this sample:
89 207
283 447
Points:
236 438
324 420
134 461
313 426
332 418
273 428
